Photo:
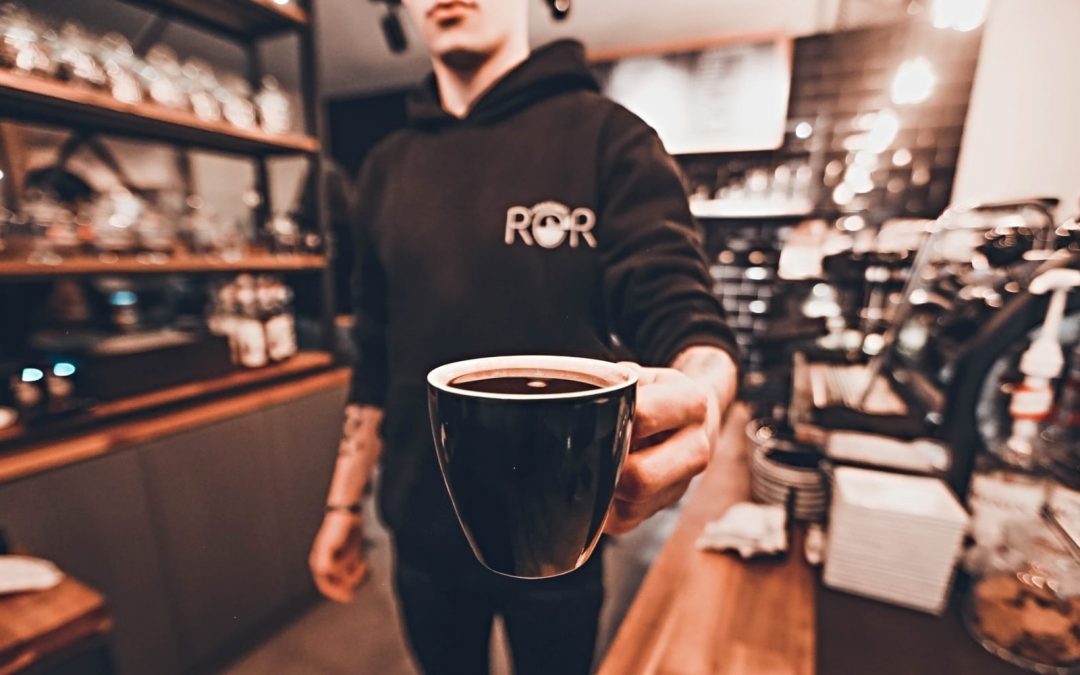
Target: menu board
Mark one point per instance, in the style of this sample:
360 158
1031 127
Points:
726 98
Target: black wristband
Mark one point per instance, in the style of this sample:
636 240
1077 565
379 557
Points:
355 508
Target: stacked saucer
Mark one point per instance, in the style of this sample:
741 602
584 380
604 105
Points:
786 473
894 538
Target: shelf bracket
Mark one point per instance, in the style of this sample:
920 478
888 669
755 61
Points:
150 33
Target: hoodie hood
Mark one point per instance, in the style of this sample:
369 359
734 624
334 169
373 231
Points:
553 69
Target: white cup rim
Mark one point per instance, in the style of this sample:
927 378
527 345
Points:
621 374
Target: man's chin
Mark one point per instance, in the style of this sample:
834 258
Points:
461 57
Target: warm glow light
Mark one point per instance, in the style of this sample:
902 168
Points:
873 344
961 15
803 130
867 159
852 223
883 132
858 179
914 81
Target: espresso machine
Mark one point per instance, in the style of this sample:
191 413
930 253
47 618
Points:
928 387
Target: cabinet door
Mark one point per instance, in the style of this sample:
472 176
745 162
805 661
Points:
306 434
91 519
212 497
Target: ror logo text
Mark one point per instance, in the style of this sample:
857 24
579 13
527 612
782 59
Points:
549 224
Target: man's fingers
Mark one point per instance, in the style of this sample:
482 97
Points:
331 586
354 572
653 470
625 516
646 509
666 404
321 562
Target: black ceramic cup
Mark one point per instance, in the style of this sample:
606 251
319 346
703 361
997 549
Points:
531 475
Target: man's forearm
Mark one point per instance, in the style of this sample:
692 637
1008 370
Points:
358 453
714 369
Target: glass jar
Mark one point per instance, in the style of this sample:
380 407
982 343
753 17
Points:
118 59
234 94
275 112
163 79
22 45
1025 607
114 217
73 52
200 84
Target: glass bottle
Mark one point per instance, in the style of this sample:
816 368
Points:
222 317
250 333
280 323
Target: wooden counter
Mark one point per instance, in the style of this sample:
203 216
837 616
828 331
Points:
133 507
37 626
703 613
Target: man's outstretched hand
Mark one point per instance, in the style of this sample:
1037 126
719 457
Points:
676 422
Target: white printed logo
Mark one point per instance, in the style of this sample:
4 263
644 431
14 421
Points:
549 224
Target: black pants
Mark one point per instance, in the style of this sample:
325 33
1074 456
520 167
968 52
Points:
448 612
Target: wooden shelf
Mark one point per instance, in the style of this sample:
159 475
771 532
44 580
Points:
82 265
304 362
40 100
235 17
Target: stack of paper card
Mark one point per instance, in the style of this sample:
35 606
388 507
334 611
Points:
895 538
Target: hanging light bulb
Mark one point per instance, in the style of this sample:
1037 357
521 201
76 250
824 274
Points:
914 81
961 15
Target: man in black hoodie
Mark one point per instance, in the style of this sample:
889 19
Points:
520 212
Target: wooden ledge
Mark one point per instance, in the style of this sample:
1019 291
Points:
36 625
703 613
44 456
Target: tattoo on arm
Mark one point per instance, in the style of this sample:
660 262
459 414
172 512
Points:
358 453
358 436
350 437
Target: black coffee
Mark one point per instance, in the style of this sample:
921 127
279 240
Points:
523 385
531 478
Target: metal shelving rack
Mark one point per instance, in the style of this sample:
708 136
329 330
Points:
246 22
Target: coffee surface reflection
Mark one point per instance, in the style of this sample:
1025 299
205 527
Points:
530 449
524 386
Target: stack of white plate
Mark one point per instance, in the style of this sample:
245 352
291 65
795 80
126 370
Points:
894 538
782 472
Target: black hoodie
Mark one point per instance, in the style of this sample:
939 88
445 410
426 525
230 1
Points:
548 220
